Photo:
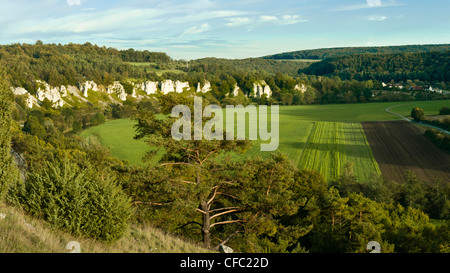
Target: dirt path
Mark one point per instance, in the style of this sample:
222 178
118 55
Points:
399 146
409 120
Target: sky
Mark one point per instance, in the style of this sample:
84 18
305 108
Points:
225 29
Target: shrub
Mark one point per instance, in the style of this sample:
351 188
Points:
444 111
417 114
442 141
81 201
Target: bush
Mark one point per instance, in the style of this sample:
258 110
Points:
442 141
444 111
81 201
417 114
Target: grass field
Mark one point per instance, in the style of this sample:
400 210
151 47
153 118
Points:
320 137
430 107
118 135
150 67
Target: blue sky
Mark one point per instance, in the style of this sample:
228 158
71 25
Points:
228 29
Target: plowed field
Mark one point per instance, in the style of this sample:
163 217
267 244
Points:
399 146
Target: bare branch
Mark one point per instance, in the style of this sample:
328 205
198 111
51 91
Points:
183 181
193 222
214 195
204 212
225 222
213 151
214 210
223 213
227 239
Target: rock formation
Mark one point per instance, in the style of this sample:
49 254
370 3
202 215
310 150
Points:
117 88
206 87
261 88
167 86
30 100
148 87
301 88
85 86
53 94
181 86
236 90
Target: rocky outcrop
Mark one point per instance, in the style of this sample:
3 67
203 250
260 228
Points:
300 87
53 94
261 88
236 90
181 86
206 87
30 100
87 85
148 87
167 86
117 88
225 249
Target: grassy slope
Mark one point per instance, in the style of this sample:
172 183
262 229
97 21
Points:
118 135
20 233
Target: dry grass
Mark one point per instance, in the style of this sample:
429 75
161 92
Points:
20 233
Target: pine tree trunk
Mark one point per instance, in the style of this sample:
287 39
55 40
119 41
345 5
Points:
206 225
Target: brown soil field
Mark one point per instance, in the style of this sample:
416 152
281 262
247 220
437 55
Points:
399 146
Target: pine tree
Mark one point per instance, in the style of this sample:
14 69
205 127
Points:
8 170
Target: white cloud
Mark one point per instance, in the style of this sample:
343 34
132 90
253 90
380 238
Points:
73 2
376 18
374 3
238 21
197 29
266 18
369 4
290 19
86 22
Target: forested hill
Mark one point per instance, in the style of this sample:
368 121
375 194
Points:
430 67
323 53
72 63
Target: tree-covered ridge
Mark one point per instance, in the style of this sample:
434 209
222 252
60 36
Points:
248 65
429 67
324 53
72 63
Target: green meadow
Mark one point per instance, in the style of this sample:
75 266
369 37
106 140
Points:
320 137
117 135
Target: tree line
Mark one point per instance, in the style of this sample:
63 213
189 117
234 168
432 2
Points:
324 53
430 67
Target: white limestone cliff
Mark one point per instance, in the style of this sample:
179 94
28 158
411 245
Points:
181 86
260 88
53 94
236 90
206 87
85 86
148 87
167 86
301 88
117 88
30 100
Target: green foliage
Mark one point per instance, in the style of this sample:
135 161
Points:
444 111
80 200
440 139
429 67
417 114
8 170
324 53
